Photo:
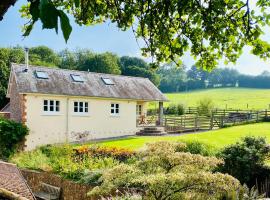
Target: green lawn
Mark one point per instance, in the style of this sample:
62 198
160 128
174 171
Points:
216 138
236 98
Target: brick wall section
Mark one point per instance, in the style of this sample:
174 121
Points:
69 189
5 115
17 104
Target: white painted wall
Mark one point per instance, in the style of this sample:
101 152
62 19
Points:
64 126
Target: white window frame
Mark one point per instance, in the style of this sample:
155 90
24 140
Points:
139 109
82 108
77 78
51 103
114 108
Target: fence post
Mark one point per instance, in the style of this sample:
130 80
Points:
196 122
211 121
221 122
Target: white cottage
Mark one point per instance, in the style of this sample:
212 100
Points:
61 105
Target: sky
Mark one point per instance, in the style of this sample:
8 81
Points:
102 38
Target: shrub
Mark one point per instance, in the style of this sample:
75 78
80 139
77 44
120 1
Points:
245 159
164 173
175 109
12 135
121 154
205 106
196 147
35 160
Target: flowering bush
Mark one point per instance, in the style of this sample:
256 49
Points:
121 154
164 172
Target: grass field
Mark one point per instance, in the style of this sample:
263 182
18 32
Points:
216 138
236 98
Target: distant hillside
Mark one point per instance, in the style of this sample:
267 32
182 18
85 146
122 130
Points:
236 98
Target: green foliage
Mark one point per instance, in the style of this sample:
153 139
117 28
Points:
103 63
48 14
175 109
211 31
34 160
245 160
63 161
196 147
12 135
132 66
205 106
172 78
164 172
43 56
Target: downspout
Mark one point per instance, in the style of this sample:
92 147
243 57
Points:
67 120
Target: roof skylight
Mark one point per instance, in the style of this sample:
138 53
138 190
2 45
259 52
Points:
108 81
77 78
42 75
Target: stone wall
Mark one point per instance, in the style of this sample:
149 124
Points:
69 190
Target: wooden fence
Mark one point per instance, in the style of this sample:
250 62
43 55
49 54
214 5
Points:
186 123
218 119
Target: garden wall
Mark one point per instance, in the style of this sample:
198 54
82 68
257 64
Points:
69 190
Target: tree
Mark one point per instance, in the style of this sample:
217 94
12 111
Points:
43 56
103 63
245 160
172 78
133 66
210 30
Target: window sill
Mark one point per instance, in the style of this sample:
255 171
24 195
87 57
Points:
80 115
51 114
114 115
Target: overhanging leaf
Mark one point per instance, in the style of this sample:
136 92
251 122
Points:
48 15
65 25
34 10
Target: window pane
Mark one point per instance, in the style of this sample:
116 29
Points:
45 108
117 111
112 111
52 108
75 109
57 103
45 103
77 78
42 75
117 105
81 104
81 109
76 104
51 103
86 107
112 105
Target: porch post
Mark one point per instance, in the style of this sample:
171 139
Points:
160 114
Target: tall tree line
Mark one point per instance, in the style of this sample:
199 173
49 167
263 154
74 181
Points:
176 79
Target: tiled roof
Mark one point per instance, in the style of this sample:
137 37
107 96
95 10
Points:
60 82
12 180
